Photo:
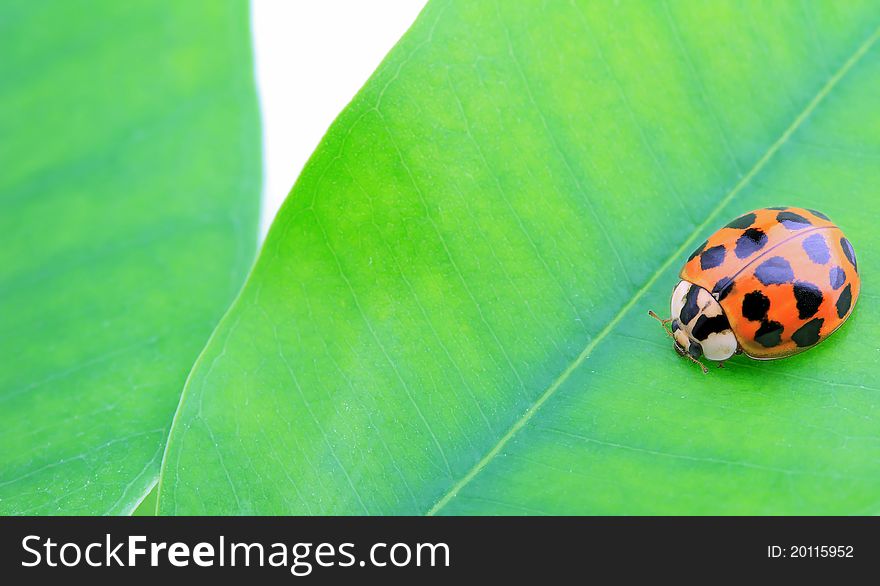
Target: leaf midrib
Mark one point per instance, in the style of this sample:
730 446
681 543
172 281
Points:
823 92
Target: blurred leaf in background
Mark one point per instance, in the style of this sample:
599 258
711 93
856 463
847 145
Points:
448 315
129 190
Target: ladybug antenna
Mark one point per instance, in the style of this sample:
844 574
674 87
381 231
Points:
662 321
658 318
697 362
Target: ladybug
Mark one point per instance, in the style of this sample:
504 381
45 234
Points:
770 284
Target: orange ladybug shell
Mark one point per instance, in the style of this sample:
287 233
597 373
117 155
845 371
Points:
785 277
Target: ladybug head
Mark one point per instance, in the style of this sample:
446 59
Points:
698 325
683 344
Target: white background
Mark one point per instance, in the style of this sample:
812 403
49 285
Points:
312 56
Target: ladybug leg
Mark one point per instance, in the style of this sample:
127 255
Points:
721 364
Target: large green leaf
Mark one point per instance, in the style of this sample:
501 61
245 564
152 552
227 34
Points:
129 186
448 315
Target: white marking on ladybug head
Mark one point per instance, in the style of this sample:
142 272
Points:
720 346
699 326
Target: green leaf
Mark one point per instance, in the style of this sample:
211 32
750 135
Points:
147 507
449 314
129 189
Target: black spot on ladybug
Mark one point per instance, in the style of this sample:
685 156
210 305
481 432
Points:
751 241
779 208
690 309
819 214
697 252
712 257
722 288
808 334
792 221
808 297
769 334
755 306
709 325
837 277
742 222
695 350
774 271
815 247
844 301
849 252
